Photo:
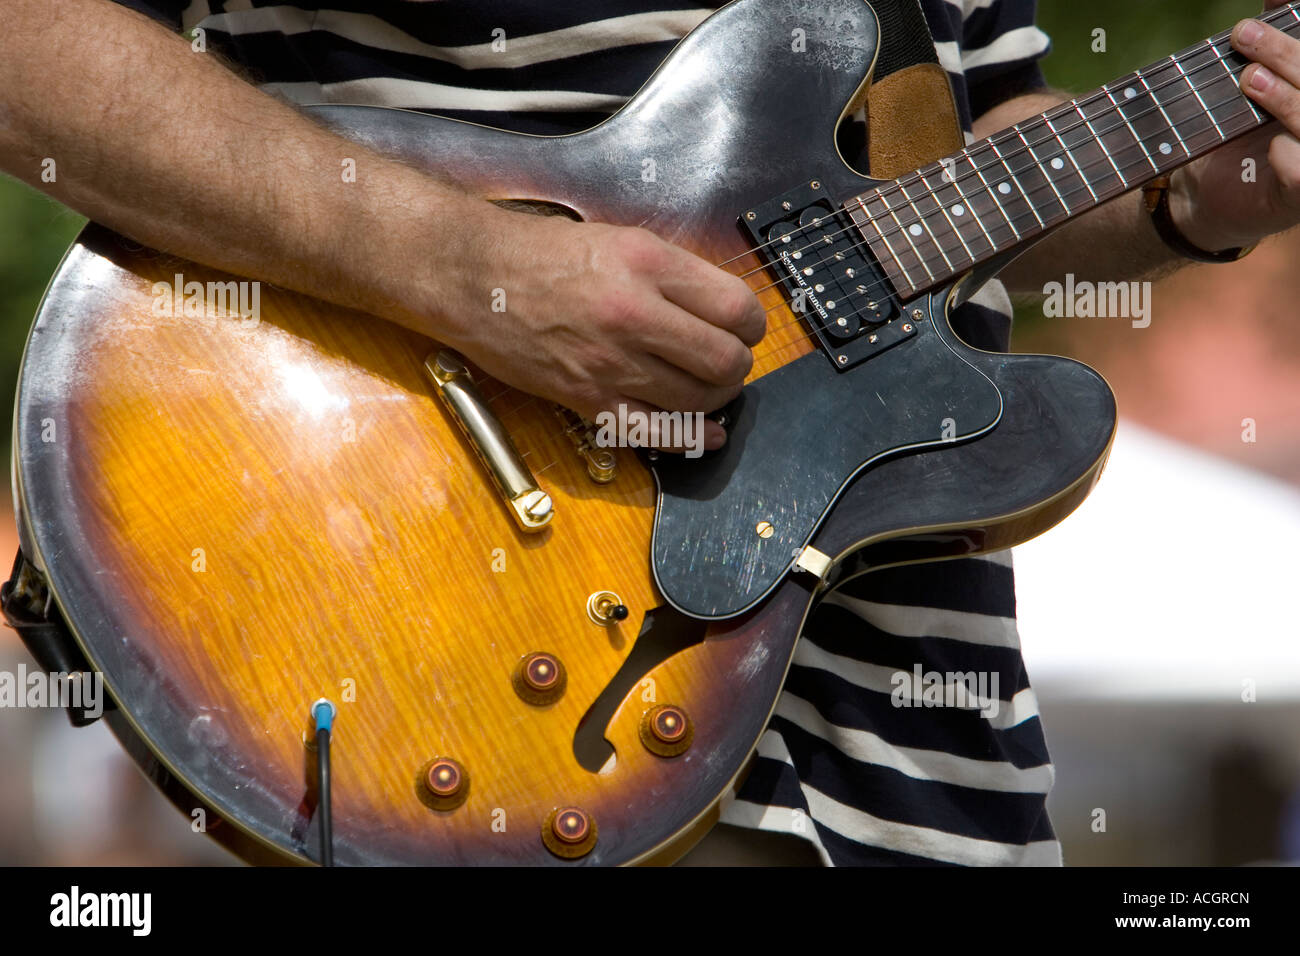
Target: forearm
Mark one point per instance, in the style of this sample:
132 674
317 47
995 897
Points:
169 147
1115 242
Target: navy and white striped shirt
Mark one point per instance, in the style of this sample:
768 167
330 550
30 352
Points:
841 764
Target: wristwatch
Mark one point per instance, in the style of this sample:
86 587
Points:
1155 196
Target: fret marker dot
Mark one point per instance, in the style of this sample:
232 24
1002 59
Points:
1058 163
1166 148
1004 189
959 210
915 229
1130 93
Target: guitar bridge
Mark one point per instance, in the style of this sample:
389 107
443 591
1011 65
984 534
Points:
829 276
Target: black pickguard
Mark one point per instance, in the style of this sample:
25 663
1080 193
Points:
799 435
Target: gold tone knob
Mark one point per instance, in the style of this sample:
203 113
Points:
571 825
541 671
539 678
666 730
444 778
569 832
442 784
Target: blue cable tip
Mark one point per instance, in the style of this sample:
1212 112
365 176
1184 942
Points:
323 711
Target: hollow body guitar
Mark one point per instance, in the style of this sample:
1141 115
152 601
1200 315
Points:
236 519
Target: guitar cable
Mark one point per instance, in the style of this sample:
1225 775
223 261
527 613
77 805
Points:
323 712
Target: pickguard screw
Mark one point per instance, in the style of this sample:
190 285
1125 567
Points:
816 184
917 314
842 359
907 326
750 216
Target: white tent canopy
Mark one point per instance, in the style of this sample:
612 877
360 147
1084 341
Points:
1177 578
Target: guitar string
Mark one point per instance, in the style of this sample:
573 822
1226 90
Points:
805 317
897 187
868 290
921 176
910 205
1212 44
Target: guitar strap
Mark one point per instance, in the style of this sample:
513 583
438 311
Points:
911 114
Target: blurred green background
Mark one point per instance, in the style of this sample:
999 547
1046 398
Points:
35 231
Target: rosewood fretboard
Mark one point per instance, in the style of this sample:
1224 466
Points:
932 225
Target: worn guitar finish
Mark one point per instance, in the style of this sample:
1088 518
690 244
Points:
238 520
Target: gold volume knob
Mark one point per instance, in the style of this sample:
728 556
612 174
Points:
539 678
443 784
569 832
666 730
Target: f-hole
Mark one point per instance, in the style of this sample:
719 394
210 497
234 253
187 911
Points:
664 632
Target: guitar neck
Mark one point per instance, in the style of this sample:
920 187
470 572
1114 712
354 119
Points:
935 224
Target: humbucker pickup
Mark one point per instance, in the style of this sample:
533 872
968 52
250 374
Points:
830 277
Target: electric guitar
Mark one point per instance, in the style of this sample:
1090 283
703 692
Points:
542 650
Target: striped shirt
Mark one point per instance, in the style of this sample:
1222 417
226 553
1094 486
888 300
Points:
855 759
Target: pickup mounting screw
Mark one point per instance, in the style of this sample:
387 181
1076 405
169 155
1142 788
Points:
765 529
786 205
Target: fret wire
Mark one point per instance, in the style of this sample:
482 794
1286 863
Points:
1101 142
925 224
1034 157
979 221
1155 168
1069 154
915 251
1197 93
1019 185
885 239
943 209
1223 62
992 192
1168 122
